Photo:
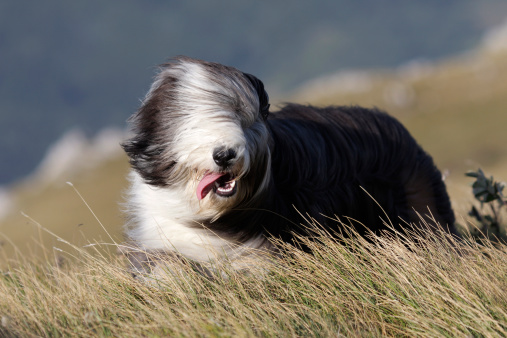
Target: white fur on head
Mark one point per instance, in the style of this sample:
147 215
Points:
192 109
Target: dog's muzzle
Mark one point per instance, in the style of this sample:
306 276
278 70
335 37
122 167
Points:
222 184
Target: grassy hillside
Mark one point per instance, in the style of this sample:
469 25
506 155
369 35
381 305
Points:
60 209
352 288
411 285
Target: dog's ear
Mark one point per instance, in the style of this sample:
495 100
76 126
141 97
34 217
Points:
261 92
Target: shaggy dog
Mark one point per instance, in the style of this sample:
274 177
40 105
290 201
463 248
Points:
215 173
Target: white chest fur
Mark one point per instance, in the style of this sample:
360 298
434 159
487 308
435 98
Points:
160 218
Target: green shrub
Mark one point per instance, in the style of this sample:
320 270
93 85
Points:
492 203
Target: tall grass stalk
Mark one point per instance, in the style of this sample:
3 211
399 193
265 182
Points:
417 283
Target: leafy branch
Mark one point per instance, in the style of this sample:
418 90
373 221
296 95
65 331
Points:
488 192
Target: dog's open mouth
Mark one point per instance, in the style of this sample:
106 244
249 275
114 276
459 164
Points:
222 184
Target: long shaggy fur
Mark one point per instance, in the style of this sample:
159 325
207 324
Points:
201 118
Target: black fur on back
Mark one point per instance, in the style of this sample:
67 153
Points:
321 157
318 160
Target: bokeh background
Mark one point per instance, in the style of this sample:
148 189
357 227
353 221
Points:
71 73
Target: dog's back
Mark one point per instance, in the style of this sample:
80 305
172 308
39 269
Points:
322 157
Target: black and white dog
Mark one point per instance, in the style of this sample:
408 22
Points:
215 173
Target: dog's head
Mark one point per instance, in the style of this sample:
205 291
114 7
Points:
201 129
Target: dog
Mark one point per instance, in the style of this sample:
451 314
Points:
214 172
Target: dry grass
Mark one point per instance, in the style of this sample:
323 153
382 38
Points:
388 286
400 285
58 208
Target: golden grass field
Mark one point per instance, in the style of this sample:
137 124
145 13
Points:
404 285
51 285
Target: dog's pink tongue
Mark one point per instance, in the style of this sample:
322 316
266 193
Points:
206 184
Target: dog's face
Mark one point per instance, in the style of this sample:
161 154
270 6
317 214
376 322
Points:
201 131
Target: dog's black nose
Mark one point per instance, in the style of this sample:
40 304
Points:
223 156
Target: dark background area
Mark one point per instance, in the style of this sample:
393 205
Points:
87 64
